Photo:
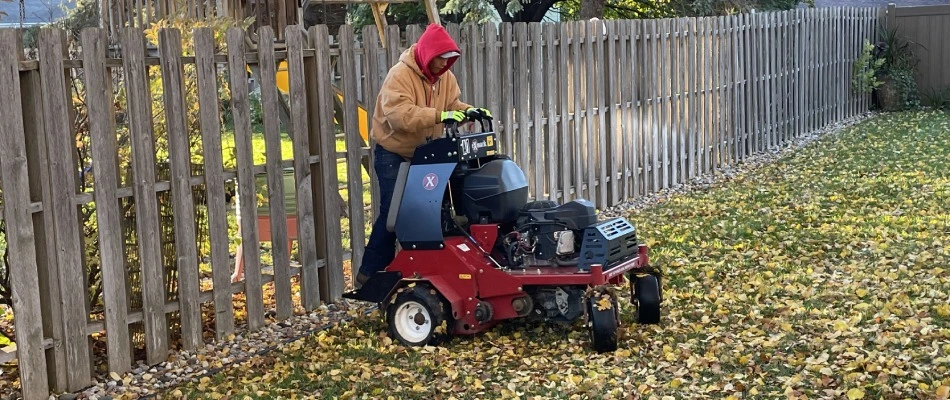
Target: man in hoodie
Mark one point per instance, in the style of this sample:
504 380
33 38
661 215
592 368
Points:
418 94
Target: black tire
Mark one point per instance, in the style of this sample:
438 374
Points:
418 316
602 324
647 297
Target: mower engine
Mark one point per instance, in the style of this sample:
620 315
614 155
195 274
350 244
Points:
546 234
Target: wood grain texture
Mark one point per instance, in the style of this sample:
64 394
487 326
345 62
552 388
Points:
210 127
61 214
186 248
22 261
243 148
354 174
331 275
300 133
147 226
108 213
275 175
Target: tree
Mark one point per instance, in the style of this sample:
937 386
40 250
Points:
592 9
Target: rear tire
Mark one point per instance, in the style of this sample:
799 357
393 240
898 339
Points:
647 297
602 322
418 316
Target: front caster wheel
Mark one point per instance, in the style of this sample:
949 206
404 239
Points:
647 297
417 316
602 321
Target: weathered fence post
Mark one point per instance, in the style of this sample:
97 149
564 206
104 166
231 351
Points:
59 206
19 234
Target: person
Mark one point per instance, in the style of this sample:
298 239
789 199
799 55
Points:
417 95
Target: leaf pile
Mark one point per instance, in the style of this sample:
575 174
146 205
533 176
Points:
824 275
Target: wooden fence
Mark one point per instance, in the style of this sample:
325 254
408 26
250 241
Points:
928 28
278 14
607 111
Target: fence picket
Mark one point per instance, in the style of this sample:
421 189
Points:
638 102
506 116
601 140
371 61
493 82
240 110
682 86
186 248
329 246
626 70
551 80
537 72
565 87
146 209
612 132
522 108
275 175
108 216
24 279
214 181
577 70
354 151
65 258
590 109
654 63
300 136
476 64
705 89
663 101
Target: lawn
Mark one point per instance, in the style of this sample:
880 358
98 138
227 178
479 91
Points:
824 275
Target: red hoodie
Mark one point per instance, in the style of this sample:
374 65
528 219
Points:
434 42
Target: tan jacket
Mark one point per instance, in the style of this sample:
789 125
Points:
408 108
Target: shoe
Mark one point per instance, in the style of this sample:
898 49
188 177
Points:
361 279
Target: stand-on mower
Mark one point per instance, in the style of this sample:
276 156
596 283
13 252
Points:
475 252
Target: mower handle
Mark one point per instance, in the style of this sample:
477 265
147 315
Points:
452 126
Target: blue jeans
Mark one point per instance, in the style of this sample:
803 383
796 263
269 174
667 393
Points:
381 247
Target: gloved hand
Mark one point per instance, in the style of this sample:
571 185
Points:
452 116
478 113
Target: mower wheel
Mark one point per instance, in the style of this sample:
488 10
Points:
417 316
647 296
602 322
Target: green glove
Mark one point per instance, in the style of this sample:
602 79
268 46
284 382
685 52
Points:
452 116
478 113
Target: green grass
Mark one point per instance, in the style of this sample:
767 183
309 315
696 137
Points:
824 275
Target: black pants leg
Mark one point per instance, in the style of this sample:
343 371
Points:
381 247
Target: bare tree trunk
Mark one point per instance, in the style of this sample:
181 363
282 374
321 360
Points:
592 9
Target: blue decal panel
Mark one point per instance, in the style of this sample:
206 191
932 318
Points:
419 223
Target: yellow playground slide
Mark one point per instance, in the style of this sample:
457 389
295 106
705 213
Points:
283 84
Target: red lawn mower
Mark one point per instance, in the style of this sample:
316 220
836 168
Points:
474 251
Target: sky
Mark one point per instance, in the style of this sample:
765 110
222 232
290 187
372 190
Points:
37 11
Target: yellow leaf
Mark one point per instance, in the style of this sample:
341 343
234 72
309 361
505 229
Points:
943 392
603 303
478 384
753 391
855 394
675 383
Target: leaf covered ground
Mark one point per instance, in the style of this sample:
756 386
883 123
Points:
824 275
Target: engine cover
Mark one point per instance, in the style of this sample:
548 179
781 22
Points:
495 192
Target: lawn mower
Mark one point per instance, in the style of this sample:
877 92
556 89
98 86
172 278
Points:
474 251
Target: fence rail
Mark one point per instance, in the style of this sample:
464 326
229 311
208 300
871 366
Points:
607 111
